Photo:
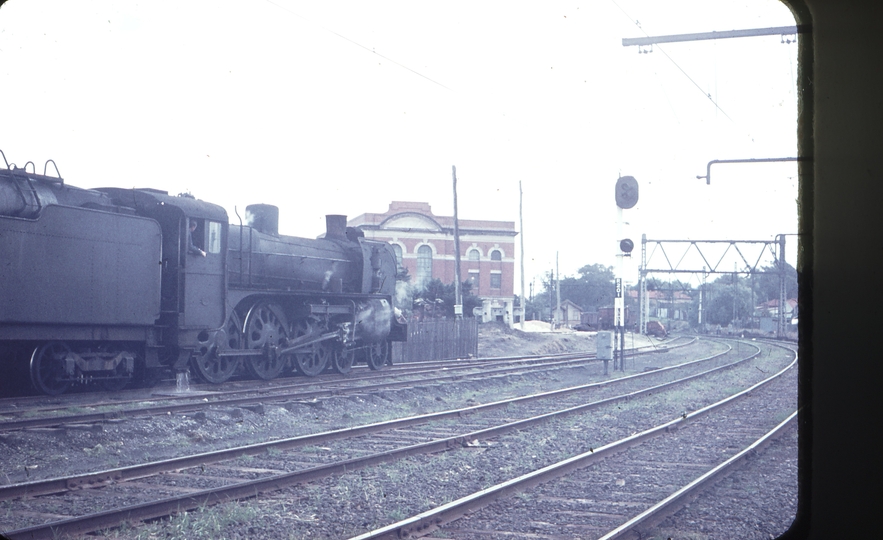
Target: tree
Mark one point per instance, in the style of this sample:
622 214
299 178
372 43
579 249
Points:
768 284
593 288
720 309
727 299
441 299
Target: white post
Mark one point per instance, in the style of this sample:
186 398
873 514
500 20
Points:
618 302
521 219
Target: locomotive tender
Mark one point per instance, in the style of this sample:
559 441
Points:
109 285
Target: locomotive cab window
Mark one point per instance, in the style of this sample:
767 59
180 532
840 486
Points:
203 236
195 233
214 237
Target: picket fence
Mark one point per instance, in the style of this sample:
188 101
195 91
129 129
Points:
438 340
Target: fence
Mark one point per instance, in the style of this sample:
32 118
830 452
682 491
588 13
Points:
438 340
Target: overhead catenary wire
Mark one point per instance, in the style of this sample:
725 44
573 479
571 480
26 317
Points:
687 75
357 44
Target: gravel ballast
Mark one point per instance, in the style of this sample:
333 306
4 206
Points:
350 504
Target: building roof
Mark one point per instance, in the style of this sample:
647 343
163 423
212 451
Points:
414 216
774 303
679 296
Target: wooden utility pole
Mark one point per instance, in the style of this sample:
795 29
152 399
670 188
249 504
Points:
458 299
557 291
521 220
551 309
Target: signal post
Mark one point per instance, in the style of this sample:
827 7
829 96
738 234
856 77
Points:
626 192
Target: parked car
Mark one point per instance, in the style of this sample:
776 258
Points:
656 329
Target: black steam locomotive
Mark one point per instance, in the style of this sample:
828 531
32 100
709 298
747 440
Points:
110 285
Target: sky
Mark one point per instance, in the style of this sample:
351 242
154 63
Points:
340 107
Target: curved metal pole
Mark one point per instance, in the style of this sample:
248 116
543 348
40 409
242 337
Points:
752 160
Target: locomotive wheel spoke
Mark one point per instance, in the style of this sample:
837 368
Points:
377 354
313 360
214 369
342 359
47 368
265 326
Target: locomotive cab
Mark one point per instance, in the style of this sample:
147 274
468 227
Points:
193 269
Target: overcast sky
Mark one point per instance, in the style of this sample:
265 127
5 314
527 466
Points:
339 107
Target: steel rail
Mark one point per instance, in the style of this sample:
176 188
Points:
248 489
404 368
301 384
120 474
428 521
49 421
270 395
679 497
282 383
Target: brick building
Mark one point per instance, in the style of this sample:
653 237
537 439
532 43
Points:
424 244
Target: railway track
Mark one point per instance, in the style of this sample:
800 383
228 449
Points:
341 450
32 404
38 414
101 445
597 494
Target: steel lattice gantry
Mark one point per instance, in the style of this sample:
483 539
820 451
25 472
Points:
658 256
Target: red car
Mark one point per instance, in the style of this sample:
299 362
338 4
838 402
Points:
656 329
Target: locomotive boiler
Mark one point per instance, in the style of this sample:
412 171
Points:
109 285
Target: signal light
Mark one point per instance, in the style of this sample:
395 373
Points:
626 245
626 192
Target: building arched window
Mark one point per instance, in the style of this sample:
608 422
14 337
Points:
397 249
473 254
424 264
496 255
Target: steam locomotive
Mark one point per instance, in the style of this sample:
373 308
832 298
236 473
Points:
111 285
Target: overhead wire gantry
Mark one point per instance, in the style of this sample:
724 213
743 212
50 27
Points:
659 256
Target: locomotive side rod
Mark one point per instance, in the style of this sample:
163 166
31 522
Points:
305 341
294 345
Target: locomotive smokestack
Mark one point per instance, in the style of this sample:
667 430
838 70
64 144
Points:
263 218
335 227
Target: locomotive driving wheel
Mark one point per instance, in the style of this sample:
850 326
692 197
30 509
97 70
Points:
215 369
312 360
342 359
377 354
47 368
265 326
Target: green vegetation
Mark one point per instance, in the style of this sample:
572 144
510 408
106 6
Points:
207 523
